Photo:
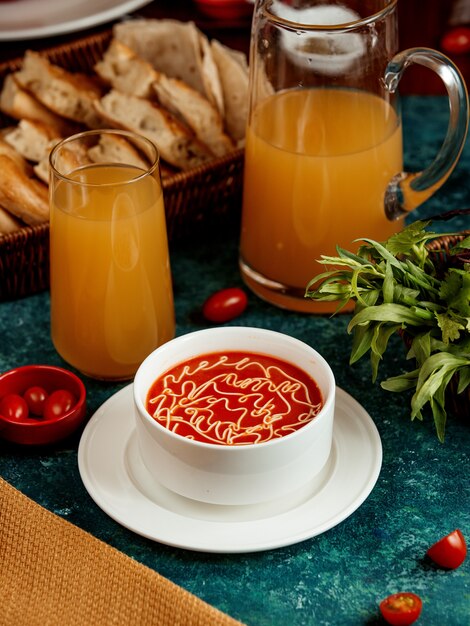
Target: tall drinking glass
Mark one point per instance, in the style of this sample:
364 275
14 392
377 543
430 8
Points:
324 156
111 291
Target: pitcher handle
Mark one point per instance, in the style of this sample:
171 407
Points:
408 190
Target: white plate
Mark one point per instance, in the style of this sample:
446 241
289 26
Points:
28 19
119 483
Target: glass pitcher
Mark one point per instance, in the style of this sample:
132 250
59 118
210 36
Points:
324 148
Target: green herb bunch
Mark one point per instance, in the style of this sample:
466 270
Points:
398 287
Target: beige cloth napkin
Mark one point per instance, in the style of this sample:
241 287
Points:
53 573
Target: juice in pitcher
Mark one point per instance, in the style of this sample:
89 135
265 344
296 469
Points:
111 292
317 164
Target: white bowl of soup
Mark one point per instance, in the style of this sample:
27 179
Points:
235 416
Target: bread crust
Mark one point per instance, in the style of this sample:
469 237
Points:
8 222
26 198
9 151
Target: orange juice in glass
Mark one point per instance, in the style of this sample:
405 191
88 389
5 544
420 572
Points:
313 184
111 291
324 154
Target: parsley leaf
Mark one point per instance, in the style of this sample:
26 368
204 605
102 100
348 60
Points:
400 286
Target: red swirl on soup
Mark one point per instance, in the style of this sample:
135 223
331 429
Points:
234 398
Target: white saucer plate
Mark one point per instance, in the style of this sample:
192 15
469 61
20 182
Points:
119 483
29 19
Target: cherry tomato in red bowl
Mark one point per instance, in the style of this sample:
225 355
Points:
225 305
34 386
450 551
35 397
401 609
14 407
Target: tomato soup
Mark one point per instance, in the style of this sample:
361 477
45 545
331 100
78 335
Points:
234 398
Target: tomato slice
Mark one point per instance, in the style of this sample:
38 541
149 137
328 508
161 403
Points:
401 609
450 551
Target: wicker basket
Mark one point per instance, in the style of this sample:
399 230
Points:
196 201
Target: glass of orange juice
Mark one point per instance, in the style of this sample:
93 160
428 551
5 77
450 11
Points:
110 281
324 147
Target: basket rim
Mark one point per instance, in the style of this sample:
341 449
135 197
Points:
63 48
446 240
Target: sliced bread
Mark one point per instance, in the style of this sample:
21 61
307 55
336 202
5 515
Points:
176 49
8 222
115 149
124 70
233 72
176 144
32 139
66 93
195 111
9 151
19 104
26 198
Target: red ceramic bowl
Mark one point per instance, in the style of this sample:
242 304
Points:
40 431
225 9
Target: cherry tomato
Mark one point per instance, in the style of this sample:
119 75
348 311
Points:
35 398
457 40
450 551
225 305
401 609
13 406
58 404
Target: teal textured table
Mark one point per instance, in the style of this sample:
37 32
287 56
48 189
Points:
338 577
